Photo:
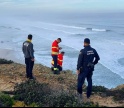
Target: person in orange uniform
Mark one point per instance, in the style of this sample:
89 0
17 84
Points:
55 51
60 61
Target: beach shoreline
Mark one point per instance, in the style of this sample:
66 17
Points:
18 57
10 54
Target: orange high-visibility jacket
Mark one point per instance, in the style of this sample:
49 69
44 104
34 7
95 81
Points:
55 48
60 60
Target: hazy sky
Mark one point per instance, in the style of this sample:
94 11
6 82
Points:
64 5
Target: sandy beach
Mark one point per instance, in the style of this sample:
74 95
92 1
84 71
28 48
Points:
11 55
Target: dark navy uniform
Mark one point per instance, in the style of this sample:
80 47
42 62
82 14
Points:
88 57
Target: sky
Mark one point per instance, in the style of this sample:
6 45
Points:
63 5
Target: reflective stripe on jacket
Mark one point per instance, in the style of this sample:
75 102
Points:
60 60
55 48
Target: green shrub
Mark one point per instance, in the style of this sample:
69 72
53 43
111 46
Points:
118 95
5 100
96 89
91 104
31 92
63 99
3 61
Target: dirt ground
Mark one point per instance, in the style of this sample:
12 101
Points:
12 74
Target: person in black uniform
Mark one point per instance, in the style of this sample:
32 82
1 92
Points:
87 59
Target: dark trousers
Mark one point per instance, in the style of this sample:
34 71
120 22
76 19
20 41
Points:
81 79
55 59
29 67
60 68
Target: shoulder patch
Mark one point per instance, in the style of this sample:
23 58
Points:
80 53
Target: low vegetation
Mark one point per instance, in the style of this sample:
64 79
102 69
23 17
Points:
118 95
49 90
42 95
34 94
3 61
6 100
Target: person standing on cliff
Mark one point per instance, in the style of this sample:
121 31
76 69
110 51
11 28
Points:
28 52
87 59
54 53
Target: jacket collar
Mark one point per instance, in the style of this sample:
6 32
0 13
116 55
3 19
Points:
87 46
29 40
56 41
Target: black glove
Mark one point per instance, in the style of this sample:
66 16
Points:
90 65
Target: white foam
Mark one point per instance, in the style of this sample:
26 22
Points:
110 49
99 30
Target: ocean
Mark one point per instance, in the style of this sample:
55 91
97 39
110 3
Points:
106 31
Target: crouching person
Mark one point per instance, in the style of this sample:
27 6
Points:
59 63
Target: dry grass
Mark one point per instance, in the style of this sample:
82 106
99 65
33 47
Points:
11 74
